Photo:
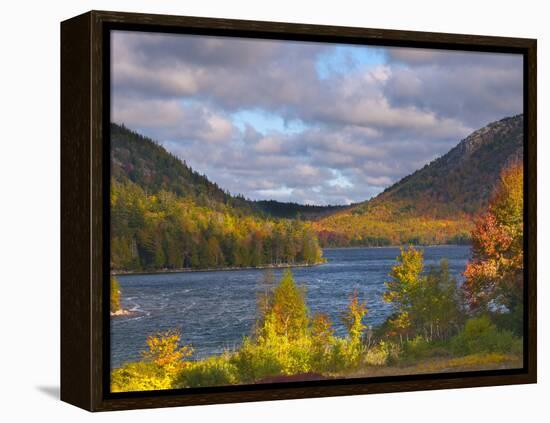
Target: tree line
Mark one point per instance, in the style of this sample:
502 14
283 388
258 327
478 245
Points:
164 231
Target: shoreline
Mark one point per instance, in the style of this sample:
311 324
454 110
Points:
215 269
266 266
357 247
122 312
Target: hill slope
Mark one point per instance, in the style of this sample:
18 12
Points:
166 216
142 161
436 203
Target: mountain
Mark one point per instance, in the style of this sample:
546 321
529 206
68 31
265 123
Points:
462 179
166 216
144 162
435 204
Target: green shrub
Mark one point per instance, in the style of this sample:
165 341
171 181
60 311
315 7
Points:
272 355
213 371
253 363
419 349
512 321
481 335
393 350
416 349
346 355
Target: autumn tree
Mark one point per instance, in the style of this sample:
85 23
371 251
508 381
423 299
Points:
322 340
405 277
289 307
424 303
436 310
322 332
165 351
353 318
162 230
494 276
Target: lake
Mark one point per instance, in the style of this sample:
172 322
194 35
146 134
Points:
214 310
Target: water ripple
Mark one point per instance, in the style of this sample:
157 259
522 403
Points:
214 310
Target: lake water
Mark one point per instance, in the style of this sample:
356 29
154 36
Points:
214 310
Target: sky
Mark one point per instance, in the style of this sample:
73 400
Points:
312 123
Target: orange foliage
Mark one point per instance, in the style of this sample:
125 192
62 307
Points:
495 274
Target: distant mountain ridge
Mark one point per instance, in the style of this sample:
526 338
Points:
435 204
146 163
461 180
447 192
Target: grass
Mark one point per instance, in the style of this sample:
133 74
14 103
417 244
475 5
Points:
472 362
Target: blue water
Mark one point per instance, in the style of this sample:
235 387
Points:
214 310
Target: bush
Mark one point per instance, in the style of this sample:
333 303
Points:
115 295
480 335
377 356
213 371
511 321
415 349
272 356
140 376
253 364
419 349
345 355
165 351
160 365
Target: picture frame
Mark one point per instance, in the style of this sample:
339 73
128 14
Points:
85 231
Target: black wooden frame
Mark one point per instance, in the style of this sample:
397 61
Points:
85 155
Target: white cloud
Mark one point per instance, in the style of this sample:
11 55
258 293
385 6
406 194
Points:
360 129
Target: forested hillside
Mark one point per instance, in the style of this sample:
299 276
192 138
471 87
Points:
164 216
295 210
142 161
436 203
461 180
147 164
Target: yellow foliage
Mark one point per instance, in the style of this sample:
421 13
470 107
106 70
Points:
140 376
165 352
376 356
115 295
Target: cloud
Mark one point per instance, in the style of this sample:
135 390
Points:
474 87
306 122
171 120
269 144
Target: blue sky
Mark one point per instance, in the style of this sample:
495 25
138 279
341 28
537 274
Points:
306 122
265 122
341 59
